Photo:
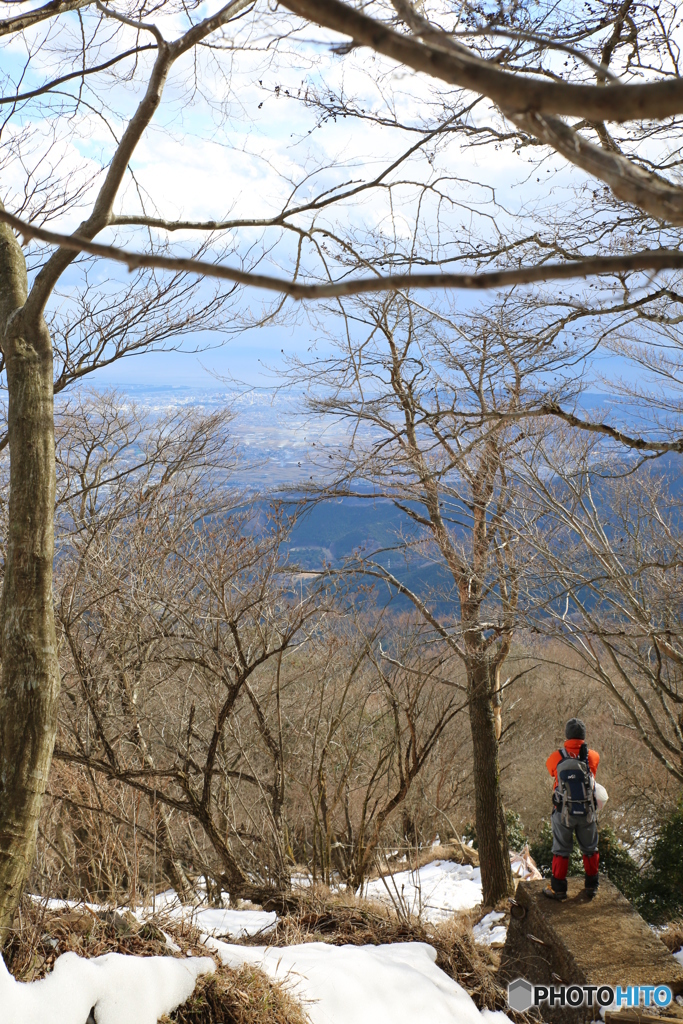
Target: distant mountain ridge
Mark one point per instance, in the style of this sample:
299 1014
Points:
274 438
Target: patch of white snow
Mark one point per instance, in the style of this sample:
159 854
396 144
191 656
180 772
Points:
301 880
495 1017
235 923
210 920
55 904
397 983
434 892
122 989
488 932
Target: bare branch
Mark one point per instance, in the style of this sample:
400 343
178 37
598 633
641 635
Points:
139 25
513 92
627 440
51 10
649 259
20 97
629 182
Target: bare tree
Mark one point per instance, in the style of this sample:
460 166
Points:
608 541
85 48
435 412
113 465
30 671
209 757
370 712
172 598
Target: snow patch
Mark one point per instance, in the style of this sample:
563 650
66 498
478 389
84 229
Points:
216 921
488 932
122 989
397 983
300 880
442 888
434 892
679 956
236 923
210 920
494 1016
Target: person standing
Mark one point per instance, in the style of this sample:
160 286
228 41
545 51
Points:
573 768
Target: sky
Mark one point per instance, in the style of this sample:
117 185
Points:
259 357
238 146
253 359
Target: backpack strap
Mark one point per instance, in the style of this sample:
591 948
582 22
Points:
557 790
577 757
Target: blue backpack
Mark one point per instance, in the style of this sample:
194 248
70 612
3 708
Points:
574 796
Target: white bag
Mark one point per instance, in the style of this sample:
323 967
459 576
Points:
601 796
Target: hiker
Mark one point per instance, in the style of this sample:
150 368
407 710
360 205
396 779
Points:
574 810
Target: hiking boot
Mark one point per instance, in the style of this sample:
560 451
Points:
591 883
553 895
557 890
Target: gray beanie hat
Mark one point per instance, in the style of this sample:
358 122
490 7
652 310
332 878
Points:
575 729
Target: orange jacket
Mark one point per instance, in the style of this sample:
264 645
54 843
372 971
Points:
572 747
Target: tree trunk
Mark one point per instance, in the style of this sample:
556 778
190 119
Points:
29 684
494 857
172 867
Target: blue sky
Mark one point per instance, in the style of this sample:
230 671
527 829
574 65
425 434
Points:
244 359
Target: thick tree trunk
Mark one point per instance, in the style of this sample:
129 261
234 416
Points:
494 858
29 685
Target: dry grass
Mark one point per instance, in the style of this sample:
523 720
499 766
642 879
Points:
341 918
246 996
41 935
